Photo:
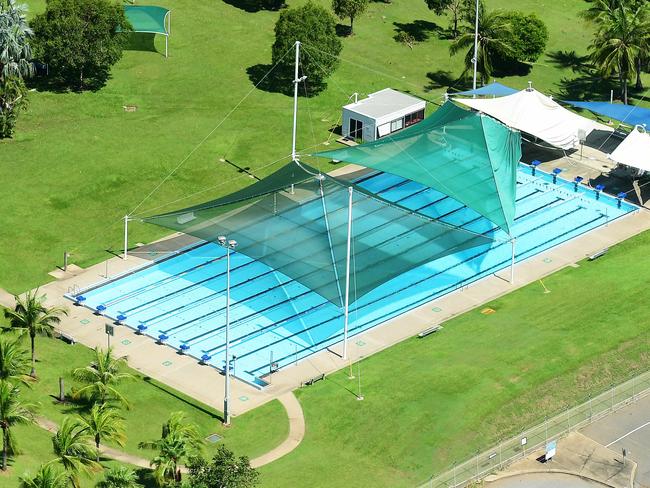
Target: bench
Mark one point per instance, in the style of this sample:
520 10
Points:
429 331
313 380
67 338
600 253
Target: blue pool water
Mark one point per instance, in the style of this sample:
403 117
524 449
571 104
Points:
275 319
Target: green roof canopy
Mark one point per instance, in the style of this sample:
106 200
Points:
147 18
468 156
296 222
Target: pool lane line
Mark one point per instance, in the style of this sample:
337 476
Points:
392 314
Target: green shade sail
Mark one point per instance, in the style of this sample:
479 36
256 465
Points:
147 18
468 156
296 222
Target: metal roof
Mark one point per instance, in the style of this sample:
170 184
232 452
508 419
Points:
384 102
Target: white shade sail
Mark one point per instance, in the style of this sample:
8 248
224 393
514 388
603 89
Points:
533 112
634 151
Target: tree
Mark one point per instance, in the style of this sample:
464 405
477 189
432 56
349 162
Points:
31 316
351 9
493 34
528 37
621 41
46 477
103 422
12 413
223 471
101 378
14 362
119 477
80 39
454 7
15 63
180 440
315 27
71 445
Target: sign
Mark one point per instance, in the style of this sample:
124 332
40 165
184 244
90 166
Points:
551 449
109 329
524 441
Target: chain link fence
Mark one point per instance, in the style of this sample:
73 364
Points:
518 447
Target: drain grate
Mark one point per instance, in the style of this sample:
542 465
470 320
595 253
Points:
213 438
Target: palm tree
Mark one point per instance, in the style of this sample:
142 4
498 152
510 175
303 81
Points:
12 412
622 39
119 477
73 451
103 422
14 41
46 477
102 377
31 316
14 362
493 32
180 440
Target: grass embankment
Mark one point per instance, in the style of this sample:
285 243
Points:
429 402
79 162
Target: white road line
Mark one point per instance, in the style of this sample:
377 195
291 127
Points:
629 433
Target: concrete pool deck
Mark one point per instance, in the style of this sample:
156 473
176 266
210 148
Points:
206 384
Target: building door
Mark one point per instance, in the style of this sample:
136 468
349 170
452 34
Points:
356 129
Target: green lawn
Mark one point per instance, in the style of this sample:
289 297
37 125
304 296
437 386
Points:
78 162
431 401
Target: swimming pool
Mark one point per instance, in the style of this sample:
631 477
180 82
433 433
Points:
277 321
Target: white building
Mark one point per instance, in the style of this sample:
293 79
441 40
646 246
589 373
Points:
382 113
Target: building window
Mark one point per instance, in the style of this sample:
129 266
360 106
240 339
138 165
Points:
356 129
414 118
396 125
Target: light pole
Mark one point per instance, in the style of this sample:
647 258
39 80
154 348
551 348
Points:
228 245
475 58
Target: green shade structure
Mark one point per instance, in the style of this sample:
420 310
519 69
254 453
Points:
470 157
149 19
318 230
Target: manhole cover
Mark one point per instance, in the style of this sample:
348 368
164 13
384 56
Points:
213 439
243 398
436 309
548 260
167 363
84 321
126 342
361 343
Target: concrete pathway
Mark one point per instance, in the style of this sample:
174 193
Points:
577 456
296 431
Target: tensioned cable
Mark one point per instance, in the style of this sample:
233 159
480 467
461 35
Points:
170 174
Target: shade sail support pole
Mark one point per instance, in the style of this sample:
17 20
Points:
512 261
347 277
295 103
475 58
126 237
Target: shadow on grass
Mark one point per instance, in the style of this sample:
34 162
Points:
444 79
185 400
279 82
140 41
253 6
419 30
343 30
568 60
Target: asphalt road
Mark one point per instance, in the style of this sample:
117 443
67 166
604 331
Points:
629 429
